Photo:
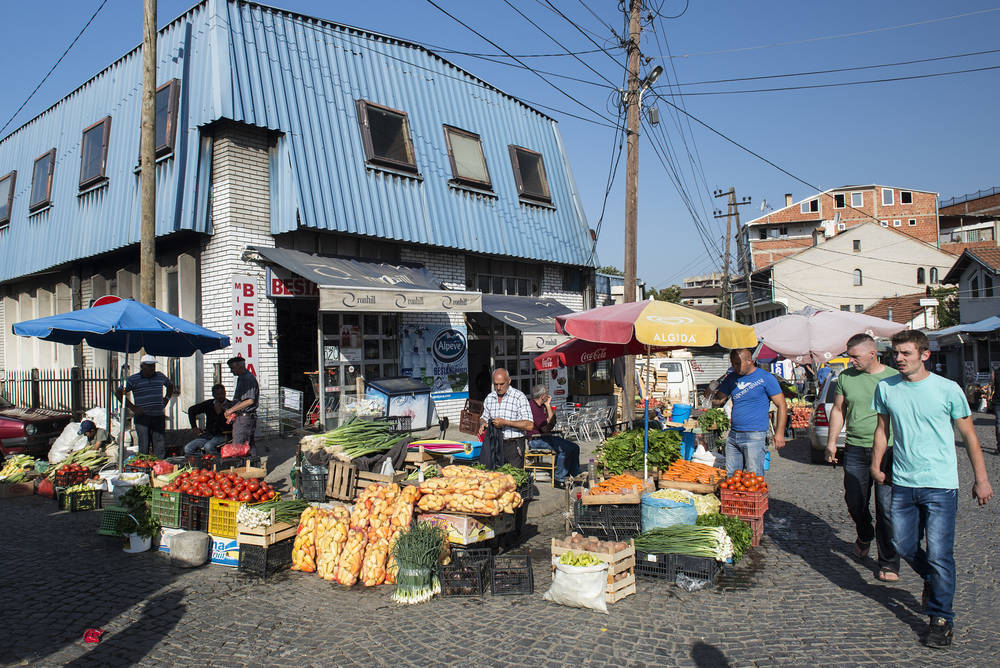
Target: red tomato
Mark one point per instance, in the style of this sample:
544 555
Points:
269 495
219 494
245 496
253 485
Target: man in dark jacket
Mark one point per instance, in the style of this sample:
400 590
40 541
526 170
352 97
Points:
214 434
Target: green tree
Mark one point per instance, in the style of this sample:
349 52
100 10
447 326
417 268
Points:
611 270
668 294
947 310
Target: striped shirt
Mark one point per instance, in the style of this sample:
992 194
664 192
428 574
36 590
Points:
147 393
513 407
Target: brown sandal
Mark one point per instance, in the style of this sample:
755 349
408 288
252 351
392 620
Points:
885 575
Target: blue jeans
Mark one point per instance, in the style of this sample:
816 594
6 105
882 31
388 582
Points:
149 431
567 453
745 451
857 493
207 444
923 512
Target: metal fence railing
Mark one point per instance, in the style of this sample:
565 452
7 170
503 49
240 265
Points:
967 197
73 390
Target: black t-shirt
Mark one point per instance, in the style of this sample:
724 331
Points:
215 423
246 388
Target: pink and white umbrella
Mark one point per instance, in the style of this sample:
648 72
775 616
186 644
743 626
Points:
816 336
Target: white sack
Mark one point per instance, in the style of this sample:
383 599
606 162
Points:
579 586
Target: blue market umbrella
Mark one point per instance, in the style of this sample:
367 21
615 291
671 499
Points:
125 326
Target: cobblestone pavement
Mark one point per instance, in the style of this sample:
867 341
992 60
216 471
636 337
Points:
799 599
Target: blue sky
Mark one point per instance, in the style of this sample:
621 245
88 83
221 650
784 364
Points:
935 134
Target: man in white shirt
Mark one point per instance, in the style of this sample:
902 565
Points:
507 407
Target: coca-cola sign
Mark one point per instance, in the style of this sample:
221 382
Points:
594 356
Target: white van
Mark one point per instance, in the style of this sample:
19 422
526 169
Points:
680 382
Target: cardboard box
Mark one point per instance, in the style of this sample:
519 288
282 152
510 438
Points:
224 551
11 489
466 530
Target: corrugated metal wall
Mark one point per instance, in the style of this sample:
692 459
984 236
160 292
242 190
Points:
299 77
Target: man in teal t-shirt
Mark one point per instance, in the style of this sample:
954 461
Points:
922 408
855 389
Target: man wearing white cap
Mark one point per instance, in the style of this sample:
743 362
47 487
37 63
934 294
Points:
148 401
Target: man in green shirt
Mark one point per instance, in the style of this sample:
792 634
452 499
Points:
855 389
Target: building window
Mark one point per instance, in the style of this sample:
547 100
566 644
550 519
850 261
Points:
912 222
773 233
884 223
886 196
838 201
468 164
7 196
920 276
762 233
167 98
783 231
529 172
857 199
974 287
811 206
386 136
905 197
841 227
987 285
41 181
94 152
857 245
859 308
934 275
897 223
858 278
845 307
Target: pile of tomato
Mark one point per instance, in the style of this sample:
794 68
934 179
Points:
222 486
743 481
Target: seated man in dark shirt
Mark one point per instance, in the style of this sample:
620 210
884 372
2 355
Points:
215 433
542 438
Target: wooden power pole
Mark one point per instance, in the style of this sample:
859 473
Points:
631 188
147 158
732 211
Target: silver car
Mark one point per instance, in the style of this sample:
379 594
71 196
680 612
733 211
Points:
819 422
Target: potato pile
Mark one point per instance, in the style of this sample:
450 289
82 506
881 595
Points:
591 544
468 490
304 548
331 535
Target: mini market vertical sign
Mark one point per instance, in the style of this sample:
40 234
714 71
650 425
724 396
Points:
245 320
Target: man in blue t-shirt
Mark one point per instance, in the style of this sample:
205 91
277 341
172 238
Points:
922 408
752 390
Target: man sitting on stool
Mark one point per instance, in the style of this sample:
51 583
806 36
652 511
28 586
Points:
214 434
541 437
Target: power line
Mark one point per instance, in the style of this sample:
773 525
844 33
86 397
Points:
658 13
52 69
846 83
583 32
562 54
829 37
612 173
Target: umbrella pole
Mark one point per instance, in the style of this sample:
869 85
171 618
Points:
645 419
121 423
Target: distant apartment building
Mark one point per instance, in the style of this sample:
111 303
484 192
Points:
790 229
713 280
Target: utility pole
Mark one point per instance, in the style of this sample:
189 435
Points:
631 188
733 211
147 158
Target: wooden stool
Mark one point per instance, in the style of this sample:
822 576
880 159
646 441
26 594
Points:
541 460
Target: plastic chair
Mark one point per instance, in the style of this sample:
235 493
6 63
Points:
540 460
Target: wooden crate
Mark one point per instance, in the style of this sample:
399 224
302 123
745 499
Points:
619 562
341 483
633 498
247 472
9 490
265 536
693 487
365 478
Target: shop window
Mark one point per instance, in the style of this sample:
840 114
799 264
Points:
94 152
167 98
386 136
468 164
905 197
857 245
857 199
529 173
809 206
920 276
7 197
934 275
887 198
41 181
858 278
838 201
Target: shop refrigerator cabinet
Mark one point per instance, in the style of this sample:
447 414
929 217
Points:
403 396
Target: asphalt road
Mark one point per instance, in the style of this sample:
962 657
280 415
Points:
799 599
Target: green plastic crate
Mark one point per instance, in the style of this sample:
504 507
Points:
109 520
166 508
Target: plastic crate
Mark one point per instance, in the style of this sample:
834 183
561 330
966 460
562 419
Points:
667 566
110 517
226 463
263 561
743 504
71 478
464 576
756 528
132 468
511 574
166 508
194 512
84 499
222 517
618 522
312 486
202 462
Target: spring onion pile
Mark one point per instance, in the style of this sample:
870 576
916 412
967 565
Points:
739 531
358 438
687 539
417 551
285 510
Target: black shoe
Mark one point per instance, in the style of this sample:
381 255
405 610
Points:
559 484
939 633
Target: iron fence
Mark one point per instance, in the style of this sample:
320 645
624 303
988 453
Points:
72 390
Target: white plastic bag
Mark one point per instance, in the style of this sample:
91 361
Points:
579 586
70 440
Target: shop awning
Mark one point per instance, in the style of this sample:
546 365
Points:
535 317
356 285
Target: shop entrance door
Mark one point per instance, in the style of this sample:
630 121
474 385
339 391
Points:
357 346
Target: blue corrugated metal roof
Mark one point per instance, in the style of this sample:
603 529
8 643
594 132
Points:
300 77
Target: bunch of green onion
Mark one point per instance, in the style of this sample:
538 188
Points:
357 438
687 539
417 551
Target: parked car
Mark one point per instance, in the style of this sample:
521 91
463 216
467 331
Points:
819 422
29 430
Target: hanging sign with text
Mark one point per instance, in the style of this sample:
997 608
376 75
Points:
245 320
